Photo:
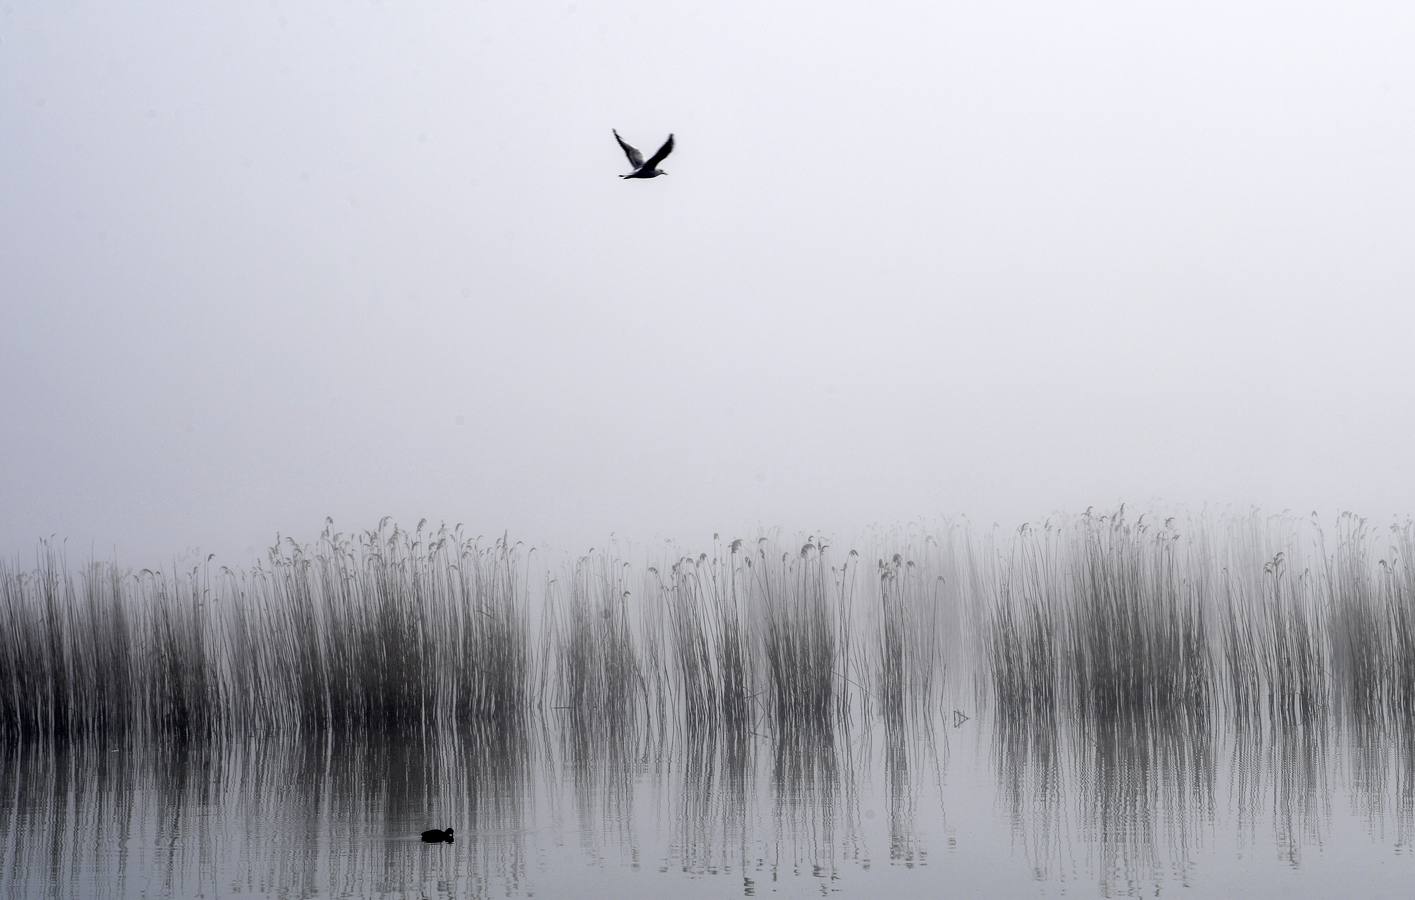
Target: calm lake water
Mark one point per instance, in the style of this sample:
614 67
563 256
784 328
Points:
983 807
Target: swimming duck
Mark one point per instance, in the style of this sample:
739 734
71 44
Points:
437 836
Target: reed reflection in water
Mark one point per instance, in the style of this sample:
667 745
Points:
531 806
263 819
584 805
1134 803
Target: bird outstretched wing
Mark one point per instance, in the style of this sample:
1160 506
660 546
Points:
636 159
662 153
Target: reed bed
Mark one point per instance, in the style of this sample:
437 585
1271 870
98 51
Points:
1106 618
1097 616
381 630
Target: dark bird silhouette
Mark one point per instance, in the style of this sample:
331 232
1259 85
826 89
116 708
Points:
436 836
641 168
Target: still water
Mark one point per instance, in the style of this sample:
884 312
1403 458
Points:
987 806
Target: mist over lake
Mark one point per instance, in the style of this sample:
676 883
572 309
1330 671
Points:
969 456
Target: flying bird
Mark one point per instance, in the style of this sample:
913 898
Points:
643 169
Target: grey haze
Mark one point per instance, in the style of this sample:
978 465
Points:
266 262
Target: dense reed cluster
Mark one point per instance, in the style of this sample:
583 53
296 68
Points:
377 631
1096 616
1105 617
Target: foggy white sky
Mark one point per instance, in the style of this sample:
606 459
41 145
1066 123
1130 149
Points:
266 262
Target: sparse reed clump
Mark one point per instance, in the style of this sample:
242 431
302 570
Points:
709 639
598 667
1137 638
1095 614
910 660
799 632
